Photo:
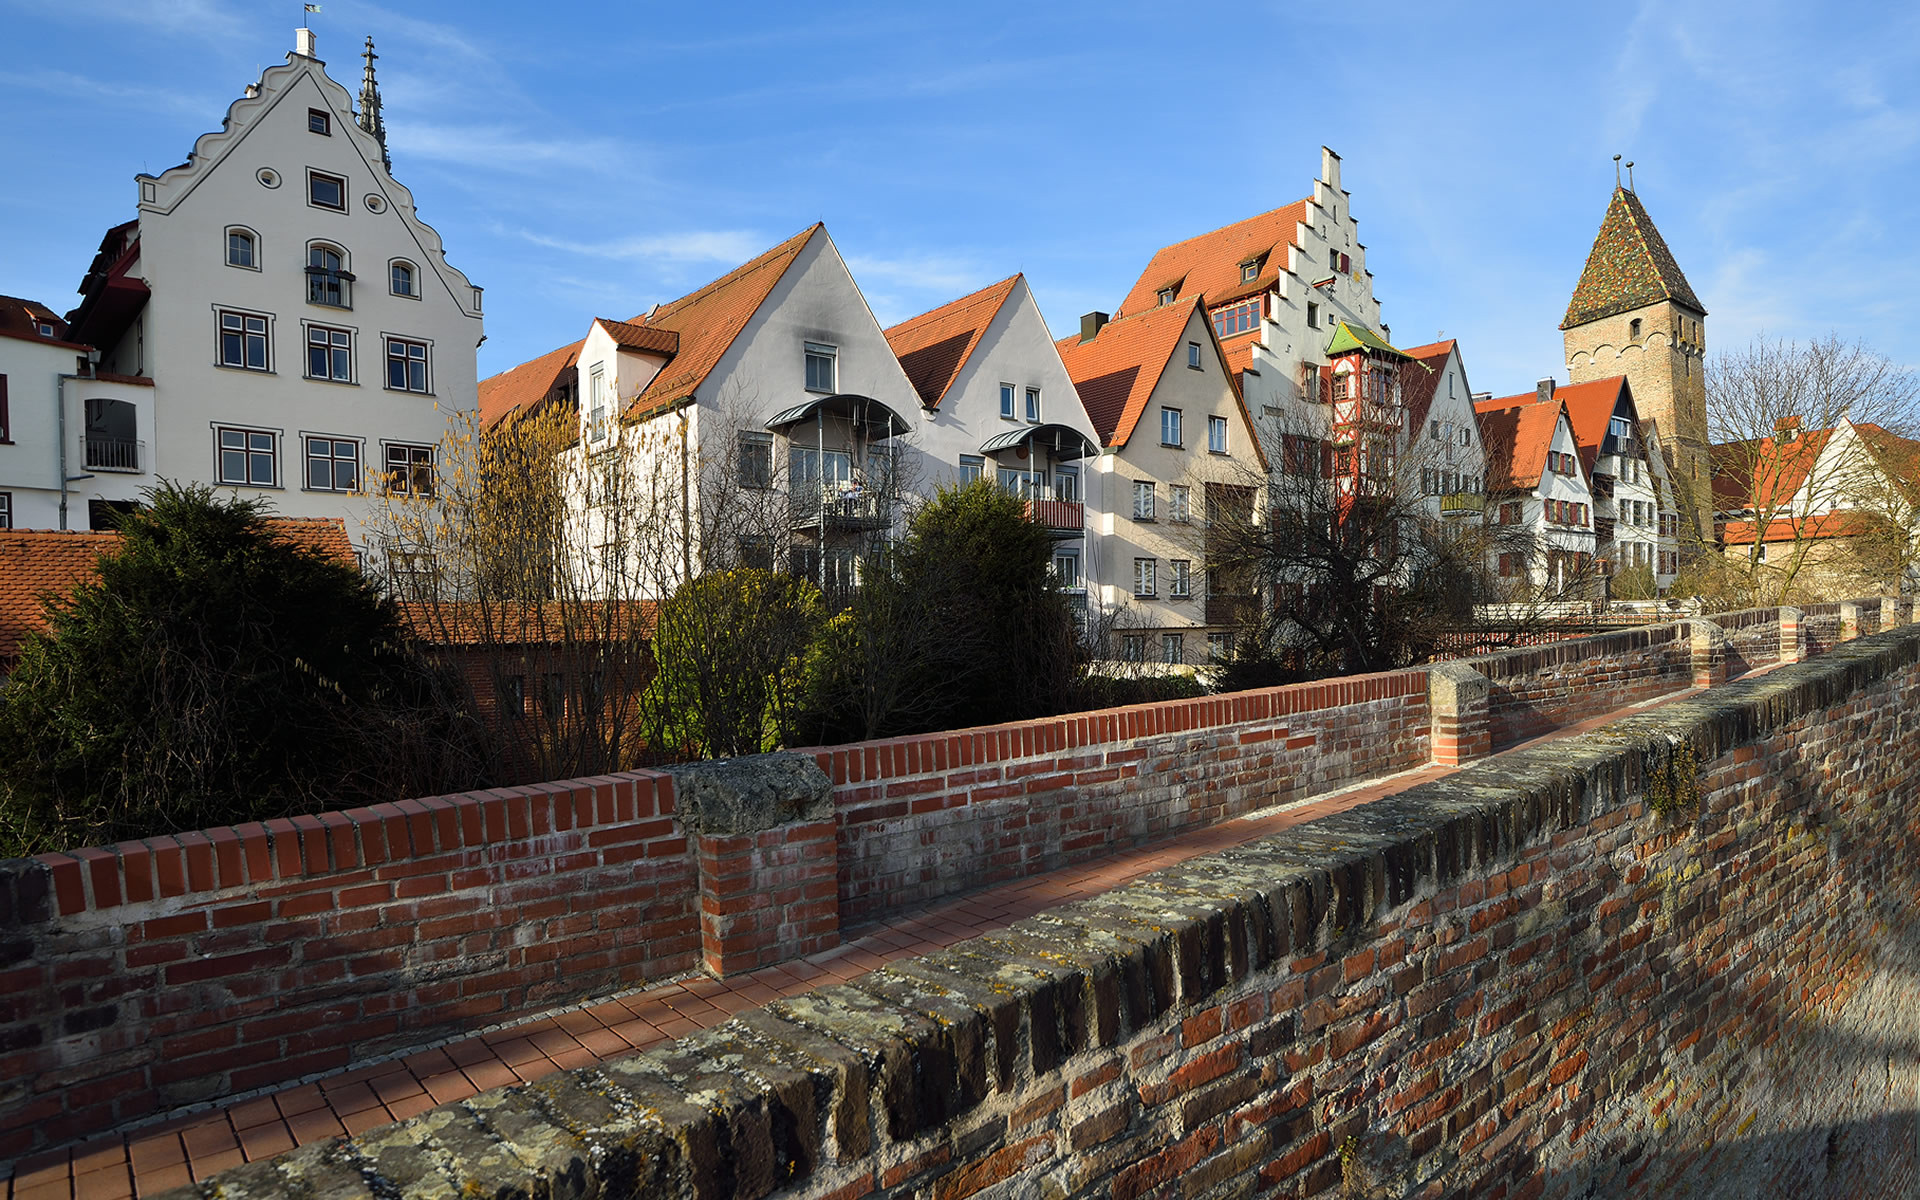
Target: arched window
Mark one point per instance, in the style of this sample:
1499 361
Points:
1633 329
403 280
243 248
328 280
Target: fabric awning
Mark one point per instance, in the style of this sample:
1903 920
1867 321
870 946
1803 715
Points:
1062 442
867 415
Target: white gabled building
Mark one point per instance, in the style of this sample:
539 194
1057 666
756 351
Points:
303 331
1443 437
996 403
1537 485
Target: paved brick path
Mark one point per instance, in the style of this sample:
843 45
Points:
146 1160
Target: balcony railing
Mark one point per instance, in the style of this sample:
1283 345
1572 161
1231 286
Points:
114 454
1061 518
1460 503
836 507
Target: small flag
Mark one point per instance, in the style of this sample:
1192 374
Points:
314 8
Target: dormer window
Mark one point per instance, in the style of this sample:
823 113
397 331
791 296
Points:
318 121
1249 271
1166 295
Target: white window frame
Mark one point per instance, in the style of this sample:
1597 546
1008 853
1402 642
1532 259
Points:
1217 435
821 352
1143 499
345 191
1171 422
1173 648
325 124
6 510
1146 577
425 358
1033 405
413 276
597 402
265 334
973 468
335 347
1193 356
248 448
1180 579
253 248
334 442
1009 401
760 478
1070 579
1066 484
1179 503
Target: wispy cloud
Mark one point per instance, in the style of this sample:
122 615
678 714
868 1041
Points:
934 272
73 88
727 246
507 148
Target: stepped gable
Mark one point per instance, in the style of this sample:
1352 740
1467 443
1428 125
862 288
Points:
1209 266
1115 371
1629 267
934 346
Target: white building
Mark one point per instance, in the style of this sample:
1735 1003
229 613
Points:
1634 513
996 402
302 329
1443 439
1537 485
74 440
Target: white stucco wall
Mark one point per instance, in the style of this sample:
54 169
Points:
30 460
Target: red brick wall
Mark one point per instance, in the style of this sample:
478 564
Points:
152 974
1535 691
1753 639
929 816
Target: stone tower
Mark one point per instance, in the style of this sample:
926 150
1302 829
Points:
1634 314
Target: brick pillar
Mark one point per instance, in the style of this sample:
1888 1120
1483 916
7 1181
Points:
1709 653
768 863
1849 621
1457 702
1793 635
1892 612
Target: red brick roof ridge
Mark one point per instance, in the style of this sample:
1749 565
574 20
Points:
925 345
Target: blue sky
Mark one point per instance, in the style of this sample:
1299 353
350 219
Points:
588 161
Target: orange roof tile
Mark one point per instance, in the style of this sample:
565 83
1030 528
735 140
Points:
629 336
934 346
1785 529
1416 387
1117 370
525 387
1590 406
37 563
22 319
1210 265
1516 433
1763 474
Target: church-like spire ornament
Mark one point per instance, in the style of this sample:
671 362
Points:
370 105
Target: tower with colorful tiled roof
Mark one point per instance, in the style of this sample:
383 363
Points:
1634 314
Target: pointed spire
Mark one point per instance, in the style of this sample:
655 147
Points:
370 105
1629 266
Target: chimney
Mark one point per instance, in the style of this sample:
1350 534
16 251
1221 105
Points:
1545 388
303 43
1477 397
1330 168
1092 324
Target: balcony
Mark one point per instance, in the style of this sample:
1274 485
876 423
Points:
834 506
1461 504
1060 518
114 454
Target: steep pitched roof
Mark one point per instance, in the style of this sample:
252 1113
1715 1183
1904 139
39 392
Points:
37 563
523 388
1590 406
934 346
628 336
1764 474
1516 432
1629 267
1117 370
1898 457
1417 387
709 319
1210 265
20 318
1792 529
1348 336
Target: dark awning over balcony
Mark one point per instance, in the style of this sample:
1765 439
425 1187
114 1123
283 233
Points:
868 416
1063 443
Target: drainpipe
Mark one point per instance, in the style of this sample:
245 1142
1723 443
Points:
60 422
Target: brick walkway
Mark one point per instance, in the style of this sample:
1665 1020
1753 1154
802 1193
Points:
146 1160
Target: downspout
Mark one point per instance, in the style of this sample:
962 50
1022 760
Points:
820 487
60 422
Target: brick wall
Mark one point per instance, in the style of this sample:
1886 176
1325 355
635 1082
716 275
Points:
1519 981
930 816
1753 639
1537 690
147 975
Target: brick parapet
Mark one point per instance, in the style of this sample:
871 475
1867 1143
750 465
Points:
1667 957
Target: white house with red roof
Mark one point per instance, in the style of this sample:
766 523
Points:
1539 491
1442 434
1178 451
74 439
303 332
996 403
1635 518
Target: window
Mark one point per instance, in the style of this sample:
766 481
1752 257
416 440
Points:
1633 329
248 458
1145 576
326 191
597 400
1333 260
1179 504
243 341
757 552
407 366
1143 500
1006 401
243 249
821 360
1220 646
1066 570
1466 436
1237 318
1066 483
1249 271
1166 295
972 467
1193 356
327 280
400 279
1433 431
1133 648
756 460
1173 648
329 354
6 510
1170 427
318 121
1180 579
1033 404
513 695
333 464
409 470
1313 315
1510 513
1217 435
6 417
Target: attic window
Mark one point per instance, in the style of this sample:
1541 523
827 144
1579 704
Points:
1313 315
1249 270
319 122
1166 295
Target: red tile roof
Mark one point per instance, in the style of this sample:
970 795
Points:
1590 406
1763 474
1116 371
524 388
37 563
1785 529
1516 432
934 346
22 319
1210 265
1417 386
699 328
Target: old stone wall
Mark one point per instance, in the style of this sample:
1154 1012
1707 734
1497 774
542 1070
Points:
1542 688
1673 956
